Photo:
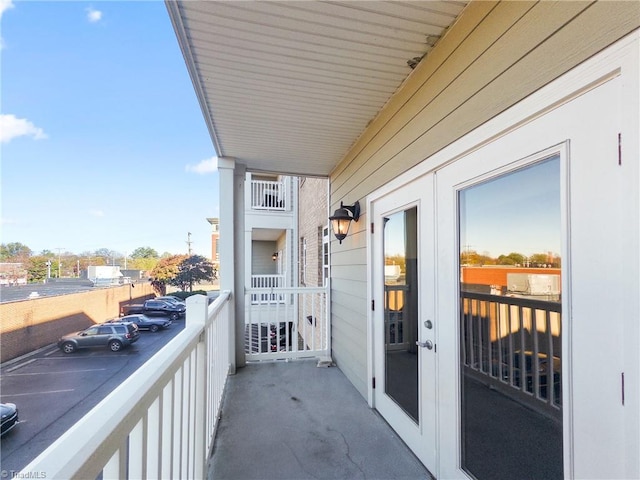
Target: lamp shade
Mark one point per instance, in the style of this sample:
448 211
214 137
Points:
341 220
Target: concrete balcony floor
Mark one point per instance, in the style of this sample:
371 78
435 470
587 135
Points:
294 420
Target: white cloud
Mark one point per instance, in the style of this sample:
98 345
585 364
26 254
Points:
96 213
5 5
209 165
8 221
94 15
12 127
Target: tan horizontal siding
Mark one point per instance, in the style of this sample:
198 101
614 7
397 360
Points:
495 55
349 256
349 345
504 37
463 27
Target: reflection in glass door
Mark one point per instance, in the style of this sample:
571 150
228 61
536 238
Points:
401 309
510 325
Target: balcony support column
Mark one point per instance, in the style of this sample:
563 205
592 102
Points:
232 184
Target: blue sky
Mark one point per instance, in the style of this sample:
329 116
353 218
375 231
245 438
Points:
518 212
103 144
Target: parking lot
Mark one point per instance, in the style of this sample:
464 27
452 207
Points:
53 390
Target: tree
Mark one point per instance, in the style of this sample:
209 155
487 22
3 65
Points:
144 264
36 268
165 272
193 269
107 255
144 252
14 252
512 259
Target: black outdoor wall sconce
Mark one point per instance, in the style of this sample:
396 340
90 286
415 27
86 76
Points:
341 219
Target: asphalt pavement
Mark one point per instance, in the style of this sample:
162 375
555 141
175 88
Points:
54 390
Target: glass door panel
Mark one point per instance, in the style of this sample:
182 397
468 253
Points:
511 324
401 309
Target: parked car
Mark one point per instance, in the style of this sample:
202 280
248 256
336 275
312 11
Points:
9 417
114 335
155 308
143 322
172 299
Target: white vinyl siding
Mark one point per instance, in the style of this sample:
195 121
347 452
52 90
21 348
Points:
495 55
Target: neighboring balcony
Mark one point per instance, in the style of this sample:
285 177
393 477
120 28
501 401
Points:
270 195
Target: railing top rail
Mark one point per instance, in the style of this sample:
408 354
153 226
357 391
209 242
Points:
268 182
517 301
284 290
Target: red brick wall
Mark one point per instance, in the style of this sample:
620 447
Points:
30 324
498 275
312 217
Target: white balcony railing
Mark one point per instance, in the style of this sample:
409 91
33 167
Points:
267 285
161 421
295 326
268 195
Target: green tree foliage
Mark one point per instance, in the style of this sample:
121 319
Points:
144 258
36 268
144 264
511 259
14 252
165 272
144 252
193 269
471 257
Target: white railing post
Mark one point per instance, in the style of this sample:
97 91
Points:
197 312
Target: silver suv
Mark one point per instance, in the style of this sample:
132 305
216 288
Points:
112 335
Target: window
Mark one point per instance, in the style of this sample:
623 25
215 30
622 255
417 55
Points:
303 261
325 255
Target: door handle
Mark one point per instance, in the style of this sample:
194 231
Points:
428 344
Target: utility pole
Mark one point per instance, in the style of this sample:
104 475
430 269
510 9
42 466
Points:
189 242
59 262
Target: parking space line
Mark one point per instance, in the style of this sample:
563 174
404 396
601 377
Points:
37 393
20 365
53 373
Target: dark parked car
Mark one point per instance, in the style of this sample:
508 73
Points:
113 335
9 417
171 299
155 308
143 322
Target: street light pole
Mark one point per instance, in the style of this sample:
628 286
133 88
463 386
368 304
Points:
59 261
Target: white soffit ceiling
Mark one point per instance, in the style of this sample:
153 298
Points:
288 87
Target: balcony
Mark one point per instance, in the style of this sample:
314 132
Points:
282 418
269 195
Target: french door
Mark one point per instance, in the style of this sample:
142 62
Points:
404 325
531 340
501 296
